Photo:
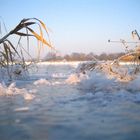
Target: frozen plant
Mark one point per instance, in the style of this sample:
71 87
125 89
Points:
12 57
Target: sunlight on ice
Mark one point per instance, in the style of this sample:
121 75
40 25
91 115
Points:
21 109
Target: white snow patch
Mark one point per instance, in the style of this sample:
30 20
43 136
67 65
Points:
56 83
98 82
58 75
72 63
76 78
134 85
42 82
28 96
12 90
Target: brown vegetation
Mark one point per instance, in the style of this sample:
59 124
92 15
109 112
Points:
10 53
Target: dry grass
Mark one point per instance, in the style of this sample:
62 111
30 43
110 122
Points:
10 53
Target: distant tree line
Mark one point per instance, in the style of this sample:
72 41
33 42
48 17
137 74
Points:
51 56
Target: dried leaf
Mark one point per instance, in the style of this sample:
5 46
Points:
27 24
23 34
25 19
43 25
11 45
39 37
21 26
8 53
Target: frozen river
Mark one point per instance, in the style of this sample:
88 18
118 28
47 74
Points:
47 106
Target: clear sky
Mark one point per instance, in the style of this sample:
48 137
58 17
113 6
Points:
79 25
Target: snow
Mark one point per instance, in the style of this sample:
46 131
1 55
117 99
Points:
76 78
41 81
100 80
97 97
12 90
105 78
72 63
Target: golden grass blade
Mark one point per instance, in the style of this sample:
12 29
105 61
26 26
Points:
127 58
41 35
38 37
45 28
43 25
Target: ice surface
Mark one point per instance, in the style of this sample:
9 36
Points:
22 109
71 105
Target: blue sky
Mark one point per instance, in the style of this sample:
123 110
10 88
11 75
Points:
79 25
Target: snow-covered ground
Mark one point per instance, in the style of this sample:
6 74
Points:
56 102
